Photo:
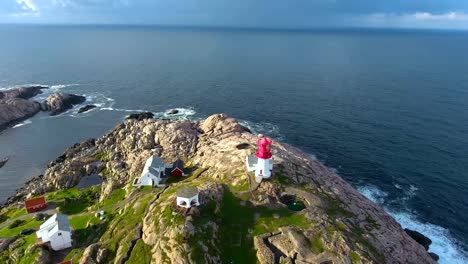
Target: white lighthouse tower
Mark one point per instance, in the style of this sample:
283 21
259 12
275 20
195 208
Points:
261 162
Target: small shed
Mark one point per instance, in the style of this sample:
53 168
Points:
35 204
57 231
177 168
187 197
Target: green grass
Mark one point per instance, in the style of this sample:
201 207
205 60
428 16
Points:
16 223
268 223
122 227
81 221
102 156
11 212
116 196
17 212
281 179
28 223
355 257
316 244
141 254
74 201
75 255
62 194
237 226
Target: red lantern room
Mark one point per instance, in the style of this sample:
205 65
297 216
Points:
264 148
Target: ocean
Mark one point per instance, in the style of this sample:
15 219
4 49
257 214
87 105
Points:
386 109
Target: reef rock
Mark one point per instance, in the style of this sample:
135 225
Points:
86 108
59 102
14 110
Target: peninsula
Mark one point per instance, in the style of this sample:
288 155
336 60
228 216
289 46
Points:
303 213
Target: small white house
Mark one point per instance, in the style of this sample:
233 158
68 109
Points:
57 231
187 197
152 173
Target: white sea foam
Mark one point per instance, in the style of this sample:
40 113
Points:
313 157
265 128
26 122
443 244
61 86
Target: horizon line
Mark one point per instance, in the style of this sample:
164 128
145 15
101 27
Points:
239 27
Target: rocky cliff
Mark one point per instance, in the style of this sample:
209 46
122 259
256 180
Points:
238 221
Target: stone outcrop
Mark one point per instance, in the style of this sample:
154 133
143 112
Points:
86 108
14 106
14 110
22 92
59 102
343 227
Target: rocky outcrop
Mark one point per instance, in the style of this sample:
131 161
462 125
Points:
420 238
14 110
86 108
94 254
14 106
343 226
140 116
22 92
3 162
59 102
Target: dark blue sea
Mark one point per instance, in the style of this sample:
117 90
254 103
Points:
387 109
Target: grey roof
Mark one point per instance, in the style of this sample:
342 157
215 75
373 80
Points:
63 223
157 161
178 164
187 192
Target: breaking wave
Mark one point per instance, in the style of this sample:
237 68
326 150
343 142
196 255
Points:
267 129
443 244
26 122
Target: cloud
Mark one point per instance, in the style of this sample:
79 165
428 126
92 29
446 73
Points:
451 19
27 5
450 16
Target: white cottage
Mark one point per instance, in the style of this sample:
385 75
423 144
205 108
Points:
57 231
187 197
152 173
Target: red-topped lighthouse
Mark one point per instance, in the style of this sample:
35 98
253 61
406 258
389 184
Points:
261 162
264 148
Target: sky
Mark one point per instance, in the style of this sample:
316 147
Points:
437 14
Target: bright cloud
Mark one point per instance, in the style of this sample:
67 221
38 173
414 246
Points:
444 16
454 19
27 5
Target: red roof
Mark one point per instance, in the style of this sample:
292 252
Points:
66 262
35 202
264 148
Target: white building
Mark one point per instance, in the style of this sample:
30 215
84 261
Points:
187 197
57 231
152 173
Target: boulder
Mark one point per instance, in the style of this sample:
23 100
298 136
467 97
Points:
59 102
172 112
140 116
3 162
420 238
434 256
14 110
86 108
